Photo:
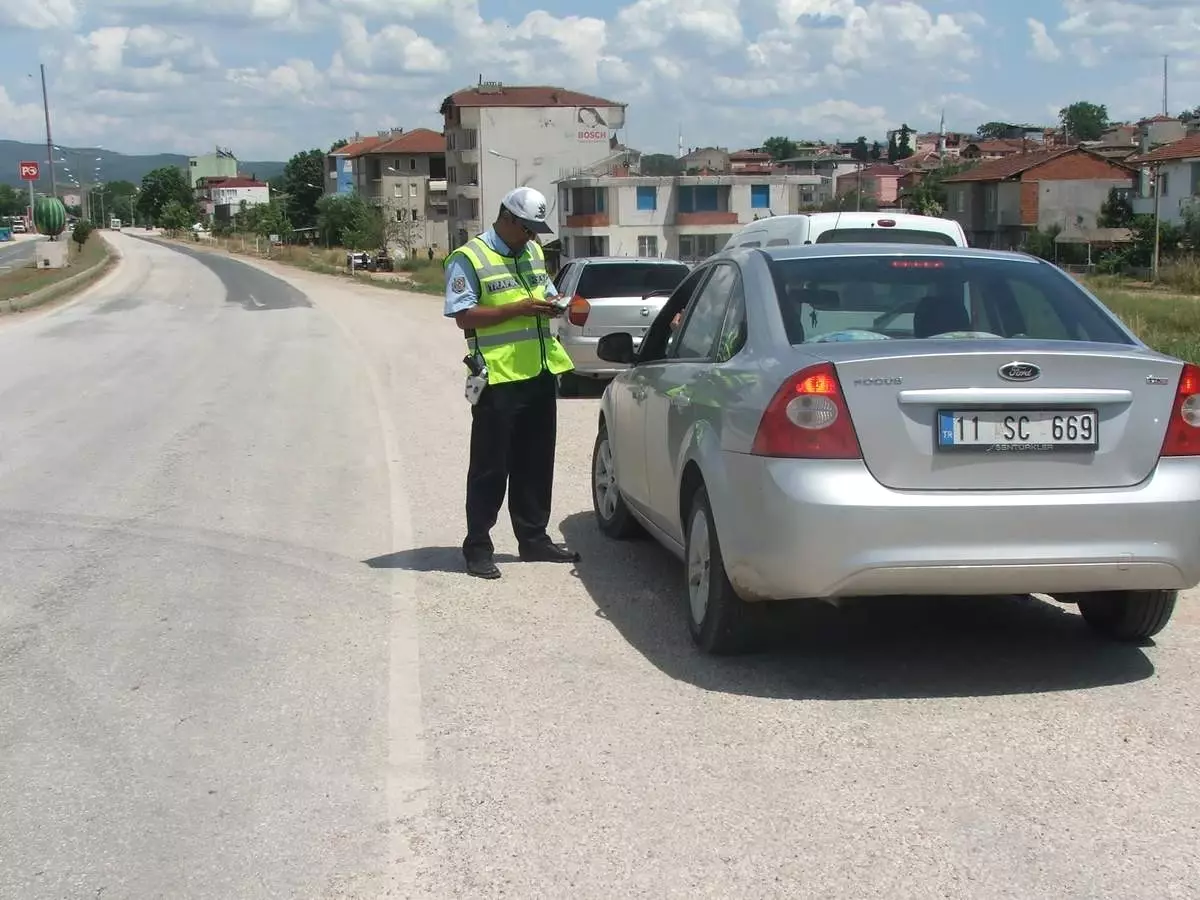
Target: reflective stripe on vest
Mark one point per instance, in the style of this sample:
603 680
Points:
524 346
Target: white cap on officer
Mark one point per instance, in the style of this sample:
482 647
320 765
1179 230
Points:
529 207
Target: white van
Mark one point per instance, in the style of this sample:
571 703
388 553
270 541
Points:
882 227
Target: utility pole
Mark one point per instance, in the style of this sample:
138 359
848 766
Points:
49 141
1157 204
1165 113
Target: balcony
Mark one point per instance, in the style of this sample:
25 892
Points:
437 185
694 219
470 191
468 156
588 220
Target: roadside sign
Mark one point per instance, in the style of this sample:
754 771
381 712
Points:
30 171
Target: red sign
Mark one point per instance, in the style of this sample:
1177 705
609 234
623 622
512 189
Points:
30 171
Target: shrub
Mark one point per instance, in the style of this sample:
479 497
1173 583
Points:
81 232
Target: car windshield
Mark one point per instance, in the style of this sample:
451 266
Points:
884 236
629 279
856 298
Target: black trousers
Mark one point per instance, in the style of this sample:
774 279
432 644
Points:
513 432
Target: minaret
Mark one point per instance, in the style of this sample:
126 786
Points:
942 136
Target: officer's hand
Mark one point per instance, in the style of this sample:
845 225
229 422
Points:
539 308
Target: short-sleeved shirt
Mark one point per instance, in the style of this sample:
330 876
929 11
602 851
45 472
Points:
462 284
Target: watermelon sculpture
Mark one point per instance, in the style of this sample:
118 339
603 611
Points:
50 216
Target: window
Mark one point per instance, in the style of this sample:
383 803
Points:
452 175
628 279
884 236
647 199
734 333
561 278
700 246
706 315
591 245
451 142
587 201
397 192
412 189
699 198
473 209
989 198
412 164
471 172
760 196
399 215
647 244
960 200
452 208
890 297
413 214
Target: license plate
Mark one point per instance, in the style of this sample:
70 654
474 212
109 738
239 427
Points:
1024 430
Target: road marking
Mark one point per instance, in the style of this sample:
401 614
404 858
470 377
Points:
406 782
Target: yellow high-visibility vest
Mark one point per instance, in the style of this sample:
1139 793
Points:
523 347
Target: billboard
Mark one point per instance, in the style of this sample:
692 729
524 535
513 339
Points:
592 126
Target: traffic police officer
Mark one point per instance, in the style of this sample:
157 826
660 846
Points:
497 291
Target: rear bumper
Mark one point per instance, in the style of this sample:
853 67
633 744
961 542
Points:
582 351
808 528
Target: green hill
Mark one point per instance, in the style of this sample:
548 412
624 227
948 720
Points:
113 166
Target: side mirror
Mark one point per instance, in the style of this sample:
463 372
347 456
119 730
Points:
616 348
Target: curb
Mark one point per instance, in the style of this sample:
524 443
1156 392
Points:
28 301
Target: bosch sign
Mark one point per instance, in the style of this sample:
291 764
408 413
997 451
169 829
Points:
593 136
30 171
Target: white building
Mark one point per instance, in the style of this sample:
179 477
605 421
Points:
1178 167
230 193
686 217
499 137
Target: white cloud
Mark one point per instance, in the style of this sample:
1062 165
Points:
1100 27
393 48
651 23
1044 47
39 14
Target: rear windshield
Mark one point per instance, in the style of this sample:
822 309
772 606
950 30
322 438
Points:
885 236
889 297
630 279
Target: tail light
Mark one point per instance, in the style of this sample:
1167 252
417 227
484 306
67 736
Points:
577 311
808 419
1183 430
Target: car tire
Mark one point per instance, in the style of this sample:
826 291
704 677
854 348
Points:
570 385
612 514
1127 615
721 623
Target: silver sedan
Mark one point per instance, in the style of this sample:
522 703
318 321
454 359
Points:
845 420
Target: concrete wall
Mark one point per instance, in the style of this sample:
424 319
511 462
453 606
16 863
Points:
210 166
1072 203
1182 185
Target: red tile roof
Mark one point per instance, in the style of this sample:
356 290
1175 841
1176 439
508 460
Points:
1187 148
359 147
1008 166
523 95
749 156
419 140
881 169
1000 145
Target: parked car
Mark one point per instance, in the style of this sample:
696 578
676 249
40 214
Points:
852 420
848 228
18 226
609 294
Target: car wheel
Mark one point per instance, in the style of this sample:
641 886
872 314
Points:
720 621
1127 615
570 385
612 514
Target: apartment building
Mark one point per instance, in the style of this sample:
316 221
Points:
685 217
404 173
219 164
221 196
503 136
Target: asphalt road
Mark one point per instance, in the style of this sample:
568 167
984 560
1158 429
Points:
238 657
16 253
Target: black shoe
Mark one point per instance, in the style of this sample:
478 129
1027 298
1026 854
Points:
547 551
481 565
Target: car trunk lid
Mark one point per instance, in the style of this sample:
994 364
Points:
1009 412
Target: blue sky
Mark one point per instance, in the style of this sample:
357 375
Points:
270 77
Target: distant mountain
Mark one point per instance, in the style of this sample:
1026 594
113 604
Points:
113 166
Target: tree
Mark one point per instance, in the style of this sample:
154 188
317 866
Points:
349 221
660 165
904 147
994 131
11 201
175 216
850 201
161 187
1116 211
403 229
860 151
1084 121
876 151
302 179
338 145
893 151
780 147
928 196
81 231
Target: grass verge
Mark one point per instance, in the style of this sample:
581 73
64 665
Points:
423 276
26 287
1169 322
